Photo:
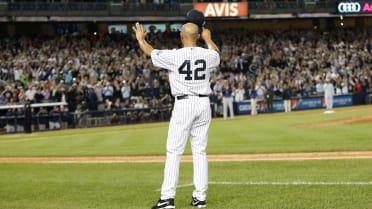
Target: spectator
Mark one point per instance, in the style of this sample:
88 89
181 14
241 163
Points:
227 100
147 91
20 119
156 89
64 117
91 99
287 92
42 119
10 121
108 91
62 67
239 92
78 116
55 118
125 91
254 100
108 104
30 93
39 97
269 97
116 105
7 93
260 89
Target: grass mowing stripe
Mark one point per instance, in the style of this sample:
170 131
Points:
278 183
266 133
132 186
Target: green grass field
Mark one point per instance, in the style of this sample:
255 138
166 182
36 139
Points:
317 184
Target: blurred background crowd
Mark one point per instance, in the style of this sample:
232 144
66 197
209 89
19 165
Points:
108 71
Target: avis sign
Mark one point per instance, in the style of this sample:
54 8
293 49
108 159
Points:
354 7
223 9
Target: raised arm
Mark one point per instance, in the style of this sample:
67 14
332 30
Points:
206 36
140 36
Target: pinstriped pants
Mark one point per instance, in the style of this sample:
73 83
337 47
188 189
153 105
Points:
329 102
190 117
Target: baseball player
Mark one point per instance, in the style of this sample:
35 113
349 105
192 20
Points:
196 17
189 72
328 95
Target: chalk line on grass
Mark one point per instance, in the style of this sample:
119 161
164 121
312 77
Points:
284 183
294 183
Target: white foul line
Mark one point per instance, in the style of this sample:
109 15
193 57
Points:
292 183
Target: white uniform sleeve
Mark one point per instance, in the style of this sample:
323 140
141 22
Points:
163 58
215 60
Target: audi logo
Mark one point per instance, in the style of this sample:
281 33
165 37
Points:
349 7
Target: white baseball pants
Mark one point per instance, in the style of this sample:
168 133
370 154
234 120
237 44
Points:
253 106
329 102
190 117
287 105
227 102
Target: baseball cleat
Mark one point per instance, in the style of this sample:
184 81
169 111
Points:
164 204
198 203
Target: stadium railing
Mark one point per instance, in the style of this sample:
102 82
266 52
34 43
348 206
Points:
14 121
119 117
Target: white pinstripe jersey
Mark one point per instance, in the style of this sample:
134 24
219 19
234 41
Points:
189 68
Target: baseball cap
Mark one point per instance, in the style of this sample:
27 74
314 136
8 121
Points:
196 17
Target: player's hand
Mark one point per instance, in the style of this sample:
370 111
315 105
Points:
206 34
140 32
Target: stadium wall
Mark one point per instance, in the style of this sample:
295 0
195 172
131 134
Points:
49 28
317 102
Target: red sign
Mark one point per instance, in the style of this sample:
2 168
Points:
225 9
367 8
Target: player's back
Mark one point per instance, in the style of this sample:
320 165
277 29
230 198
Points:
189 69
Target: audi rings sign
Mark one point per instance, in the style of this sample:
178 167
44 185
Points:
354 7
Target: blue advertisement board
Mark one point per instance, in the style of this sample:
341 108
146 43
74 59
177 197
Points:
278 106
244 107
307 103
342 100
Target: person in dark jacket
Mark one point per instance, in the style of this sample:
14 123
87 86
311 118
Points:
28 117
287 91
42 119
55 118
269 97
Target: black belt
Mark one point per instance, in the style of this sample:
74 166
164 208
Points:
187 96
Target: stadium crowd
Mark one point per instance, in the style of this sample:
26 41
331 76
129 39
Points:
98 72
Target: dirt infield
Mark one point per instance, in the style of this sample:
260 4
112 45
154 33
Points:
188 158
353 120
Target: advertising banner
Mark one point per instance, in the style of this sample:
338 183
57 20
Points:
244 107
307 103
278 106
358 7
223 9
342 100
